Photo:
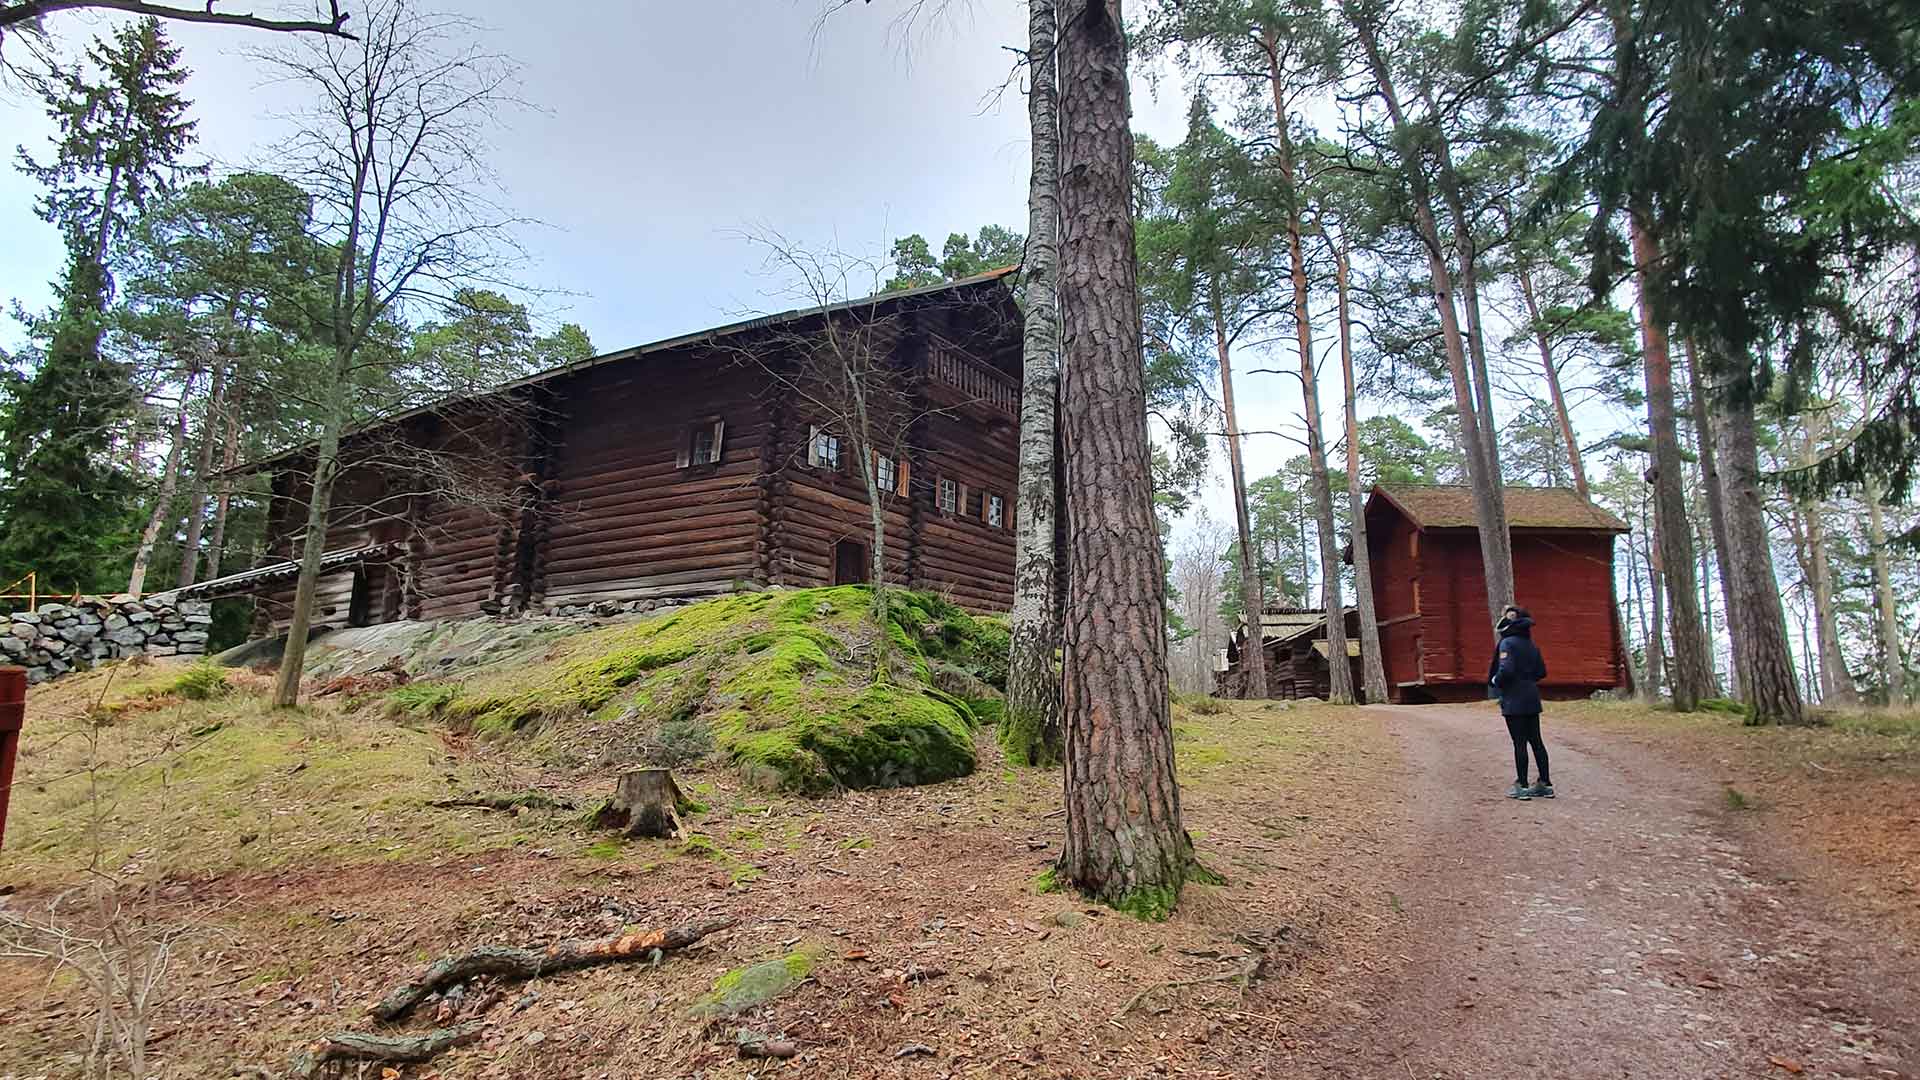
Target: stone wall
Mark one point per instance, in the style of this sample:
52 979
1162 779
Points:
60 638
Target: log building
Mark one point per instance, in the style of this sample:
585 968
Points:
694 466
1430 592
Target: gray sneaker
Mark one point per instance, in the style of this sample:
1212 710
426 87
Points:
1541 790
1520 791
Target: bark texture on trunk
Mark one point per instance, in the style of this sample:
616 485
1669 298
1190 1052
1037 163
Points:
1691 676
313 543
1765 658
1836 685
1340 674
1496 551
163 499
1716 498
1373 672
1656 640
1252 600
223 503
1031 730
1894 669
1125 844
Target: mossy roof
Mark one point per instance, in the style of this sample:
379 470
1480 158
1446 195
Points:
1450 506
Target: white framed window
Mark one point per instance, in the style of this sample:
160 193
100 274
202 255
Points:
886 473
996 511
949 496
704 443
823 450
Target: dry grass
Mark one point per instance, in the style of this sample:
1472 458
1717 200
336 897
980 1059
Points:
889 884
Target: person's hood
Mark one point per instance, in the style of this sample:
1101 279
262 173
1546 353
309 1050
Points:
1520 627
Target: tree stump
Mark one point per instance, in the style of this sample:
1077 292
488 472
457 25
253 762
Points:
646 803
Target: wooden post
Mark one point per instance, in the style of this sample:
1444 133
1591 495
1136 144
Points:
13 714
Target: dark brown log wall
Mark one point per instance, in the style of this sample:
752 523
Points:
814 509
960 556
624 519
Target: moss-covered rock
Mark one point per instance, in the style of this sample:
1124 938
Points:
799 689
750 987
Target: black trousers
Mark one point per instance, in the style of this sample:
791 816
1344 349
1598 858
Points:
1525 731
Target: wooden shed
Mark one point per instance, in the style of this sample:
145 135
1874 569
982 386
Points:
683 468
1429 587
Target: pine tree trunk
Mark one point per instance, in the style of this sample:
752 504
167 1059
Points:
1836 685
1032 725
1340 673
1252 602
1691 676
1373 672
1894 668
197 494
1656 639
1716 499
1125 843
223 503
1496 551
163 499
1554 393
1760 640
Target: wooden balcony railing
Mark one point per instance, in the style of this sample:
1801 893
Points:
978 383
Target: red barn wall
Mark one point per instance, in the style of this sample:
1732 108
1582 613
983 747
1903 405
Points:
1565 580
1393 550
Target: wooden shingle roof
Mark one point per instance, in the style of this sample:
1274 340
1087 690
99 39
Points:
1450 506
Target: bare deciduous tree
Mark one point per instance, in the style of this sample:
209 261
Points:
392 152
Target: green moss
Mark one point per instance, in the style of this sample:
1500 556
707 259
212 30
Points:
1150 903
609 848
1023 739
1048 881
787 686
201 682
420 699
745 988
1724 705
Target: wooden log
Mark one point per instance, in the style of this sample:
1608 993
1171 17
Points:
506 962
565 522
311 1059
696 584
638 566
646 804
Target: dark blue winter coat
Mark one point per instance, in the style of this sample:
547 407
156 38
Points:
1517 670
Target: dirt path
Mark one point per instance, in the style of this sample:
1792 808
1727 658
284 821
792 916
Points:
1628 928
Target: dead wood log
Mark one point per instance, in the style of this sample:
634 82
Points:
309 1060
646 803
506 962
532 800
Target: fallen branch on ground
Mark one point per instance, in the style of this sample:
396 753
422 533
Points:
1244 974
532 800
505 962
360 1046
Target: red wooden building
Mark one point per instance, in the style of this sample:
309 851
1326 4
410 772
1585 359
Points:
1430 591
687 467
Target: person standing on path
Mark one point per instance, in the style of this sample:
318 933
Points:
1516 672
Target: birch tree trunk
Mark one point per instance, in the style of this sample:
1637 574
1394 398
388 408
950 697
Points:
313 543
1031 730
1373 672
1251 599
1691 676
1125 844
1894 668
1760 643
1656 640
197 494
1836 685
163 499
1496 552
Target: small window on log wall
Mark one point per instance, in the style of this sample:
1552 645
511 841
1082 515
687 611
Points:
823 450
890 475
702 446
976 504
949 495
996 511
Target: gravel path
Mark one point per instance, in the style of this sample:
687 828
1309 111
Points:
1628 928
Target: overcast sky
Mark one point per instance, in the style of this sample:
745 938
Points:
662 130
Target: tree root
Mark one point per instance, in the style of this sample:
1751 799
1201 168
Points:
1248 970
531 800
510 963
310 1059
